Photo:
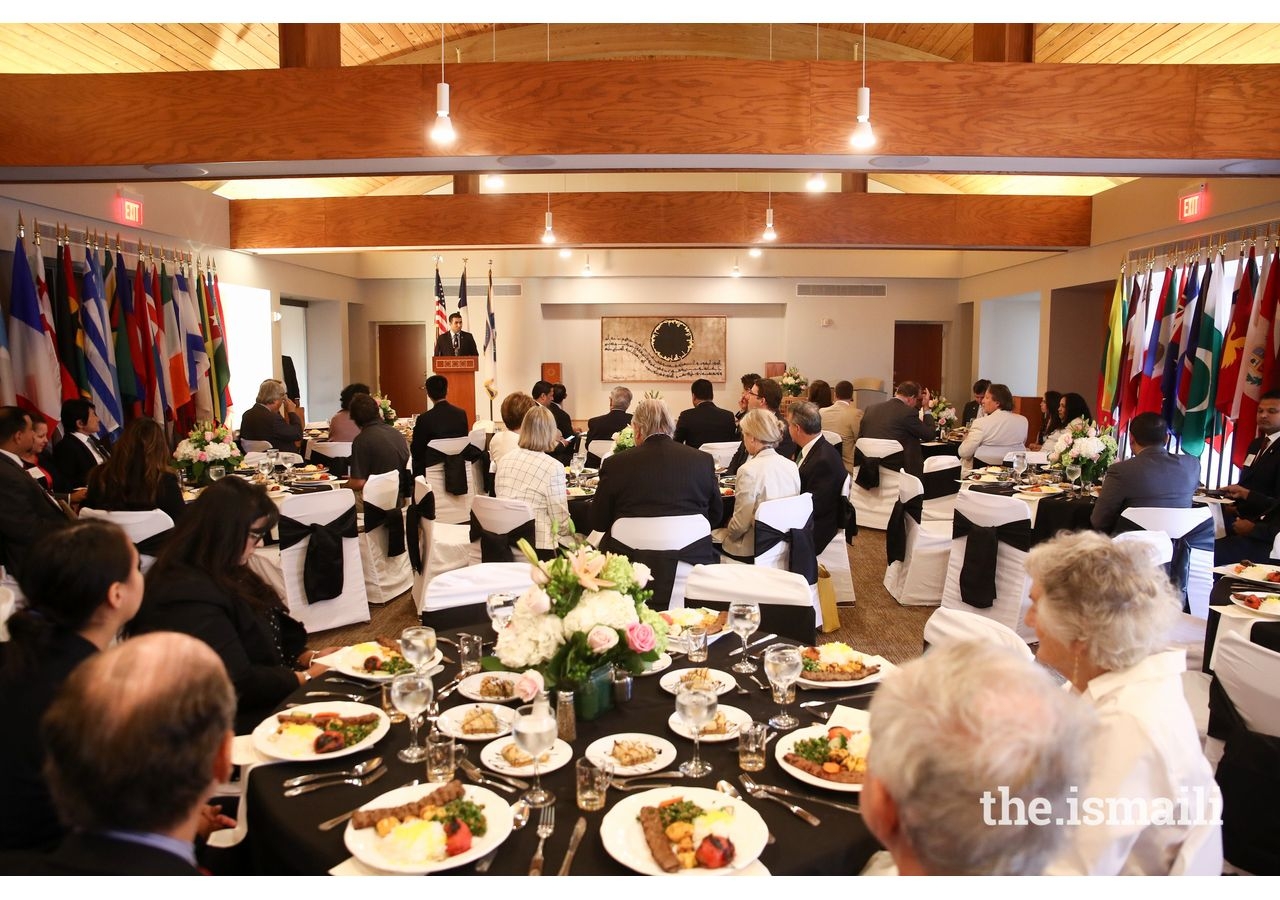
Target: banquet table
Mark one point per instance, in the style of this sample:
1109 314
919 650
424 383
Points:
1226 616
283 837
1050 514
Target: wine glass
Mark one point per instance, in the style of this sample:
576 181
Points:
1072 471
418 645
265 468
217 472
535 734
1019 465
744 619
500 607
411 694
577 464
696 703
782 664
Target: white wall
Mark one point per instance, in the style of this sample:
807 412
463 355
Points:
1009 343
293 343
249 347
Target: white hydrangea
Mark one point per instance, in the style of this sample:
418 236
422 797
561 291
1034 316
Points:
529 640
1088 447
185 450
608 608
218 450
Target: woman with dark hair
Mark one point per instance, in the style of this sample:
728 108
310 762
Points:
201 585
1072 407
137 474
82 585
341 427
1050 423
820 394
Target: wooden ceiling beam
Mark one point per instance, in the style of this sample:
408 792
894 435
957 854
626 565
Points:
711 219
998 42
310 45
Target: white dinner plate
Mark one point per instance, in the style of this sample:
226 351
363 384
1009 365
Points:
624 840
267 742
600 751
724 682
366 846
350 661
885 668
450 721
661 664
491 756
788 741
1045 490
469 687
734 718
1256 573
1261 612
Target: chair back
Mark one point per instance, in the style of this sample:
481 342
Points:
952 626
832 437
1012 586
941 484
721 451
786 605
1158 544
874 505
351 605
787 516
456 599
600 449
250 446
387 575
425 529
1250 674
497 517
453 509
1191 531
146 529
334 454
654 541
479 435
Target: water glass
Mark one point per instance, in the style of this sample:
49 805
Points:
1073 475
442 757
217 473
265 468
783 665
470 649
622 684
500 607
751 746
418 645
411 694
696 704
744 619
576 465
593 784
273 456
695 642
1019 465
389 707
535 732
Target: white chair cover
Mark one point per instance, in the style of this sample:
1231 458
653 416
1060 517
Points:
833 438
137 524
1250 673
8 605
1176 523
942 509
286 458
952 626
663 533
1158 544
466 587
385 577
443 547
721 451
835 557
919 578
498 515
719 586
479 434
1012 584
1034 457
252 446
452 509
784 514
331 449
601 449
875 506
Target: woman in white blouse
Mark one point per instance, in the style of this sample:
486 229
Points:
527 473
764 476
997 433
1103 612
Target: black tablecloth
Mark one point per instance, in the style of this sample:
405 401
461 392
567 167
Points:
946 448
283 837
1053 514
1264 633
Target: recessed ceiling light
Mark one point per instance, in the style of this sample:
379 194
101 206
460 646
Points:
565 253
493 181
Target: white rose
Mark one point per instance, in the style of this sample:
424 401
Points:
641 573
608 608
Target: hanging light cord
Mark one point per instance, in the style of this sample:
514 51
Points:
442 51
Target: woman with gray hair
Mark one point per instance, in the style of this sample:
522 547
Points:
1103 612
528 473
764 476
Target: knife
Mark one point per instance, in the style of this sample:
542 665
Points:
767 637
330 824
808 798
578 831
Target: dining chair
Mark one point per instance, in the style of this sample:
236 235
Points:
918 578
953 626
835 558
385 576
875 505
598 451
146 529
657 541
334 454
1012 585
254 446
941 485
1191 531
442 547
456 599
453 509
494 519
785 599
721 451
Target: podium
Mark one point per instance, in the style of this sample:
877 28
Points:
461 372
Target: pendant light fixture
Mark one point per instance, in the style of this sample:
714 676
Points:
769 234
548 236
586 270
442 131
863 137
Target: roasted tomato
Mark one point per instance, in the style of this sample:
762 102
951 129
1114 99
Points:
458 837
321 718
714 852
836 731
330 741
373 664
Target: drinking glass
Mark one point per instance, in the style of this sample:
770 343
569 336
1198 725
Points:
1073 475
593 783
751 744
696 704
265 468
744 619
217 472
1019 465
500 607
418 645
576 465
782 664
695 642
470 649
389 707
411 694
273 457
535 734
442 757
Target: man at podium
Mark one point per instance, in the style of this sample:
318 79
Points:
455 341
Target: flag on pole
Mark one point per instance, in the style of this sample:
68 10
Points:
37 382
218 332
118 287
1112 352
462 299
1193 319
197 356
490 344
1233 342
175 349
145 363
67 384
1198 421
155 312
70 326
1135 346
97 350
1166 304
442 321
1173 359
1257 347
8 389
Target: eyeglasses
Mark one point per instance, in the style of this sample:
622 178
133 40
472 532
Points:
259 534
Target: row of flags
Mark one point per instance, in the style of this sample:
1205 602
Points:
135 341
489 350
1197 343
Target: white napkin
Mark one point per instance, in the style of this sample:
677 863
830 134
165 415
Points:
246 756
849 717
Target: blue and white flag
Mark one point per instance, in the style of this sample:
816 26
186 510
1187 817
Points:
99 350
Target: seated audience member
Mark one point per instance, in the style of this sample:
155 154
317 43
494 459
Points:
40 456
378 447
998 432
1051 427
956 731
822 473
138 475
82 585
973 409
1248 535
820 394
513 408
137 742
342 427
551 395
604 427
1103 613
765 394
528 473
1072 407
744 404
704 422
845 419
764 476
272 418
28 513
80 448
442 420
899 419
202 585
1151 477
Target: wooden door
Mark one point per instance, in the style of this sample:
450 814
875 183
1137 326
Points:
917 354
402 366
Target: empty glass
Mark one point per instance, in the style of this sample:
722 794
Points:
265 468
535 733
782 664
695 642
751 744
744 619
576 465
696 703
593 783
470 649
442 757
418 645
411 693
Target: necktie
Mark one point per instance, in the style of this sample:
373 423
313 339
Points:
100 447
455 345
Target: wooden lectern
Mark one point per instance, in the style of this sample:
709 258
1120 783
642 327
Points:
461 372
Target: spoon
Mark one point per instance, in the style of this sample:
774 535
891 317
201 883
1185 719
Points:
519 817
726 787
363 768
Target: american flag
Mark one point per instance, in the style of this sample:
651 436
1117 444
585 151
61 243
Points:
442 321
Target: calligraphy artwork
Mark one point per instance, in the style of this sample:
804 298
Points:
662 348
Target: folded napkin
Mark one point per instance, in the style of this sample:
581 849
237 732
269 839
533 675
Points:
246 756
849 717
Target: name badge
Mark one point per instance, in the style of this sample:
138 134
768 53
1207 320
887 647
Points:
1248 460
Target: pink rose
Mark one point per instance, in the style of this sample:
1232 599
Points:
208 435
602 638
536 601
202 456
530 685
640 637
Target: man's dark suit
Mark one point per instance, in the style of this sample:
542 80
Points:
564 425
705 423
26 515
1261 477
97 854
466 344
603 428
893 420
261 424
657 478
442 420
1155 477
970 412
786 449
822 474
72 461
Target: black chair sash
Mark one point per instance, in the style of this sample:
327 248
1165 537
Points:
1250 782
455 466
869 467
851 523
786 620
375 517
978 575
803 559
151 546
322 567
496 546
423 509
338 466
895 535
941 483
662 564
1179 567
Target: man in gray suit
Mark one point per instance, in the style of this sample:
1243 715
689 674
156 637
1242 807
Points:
1151 477
898 419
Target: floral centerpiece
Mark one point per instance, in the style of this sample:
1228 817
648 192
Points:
624 439
385 409
1086 445
208 444
943 412
792 382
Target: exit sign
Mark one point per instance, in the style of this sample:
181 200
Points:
129 208
1193 204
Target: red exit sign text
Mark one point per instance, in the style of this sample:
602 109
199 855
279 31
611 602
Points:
1193 205
129 209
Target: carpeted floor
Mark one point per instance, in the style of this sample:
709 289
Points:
876 624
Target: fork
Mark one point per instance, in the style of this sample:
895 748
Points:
358 698
647 786
546 825
318 785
